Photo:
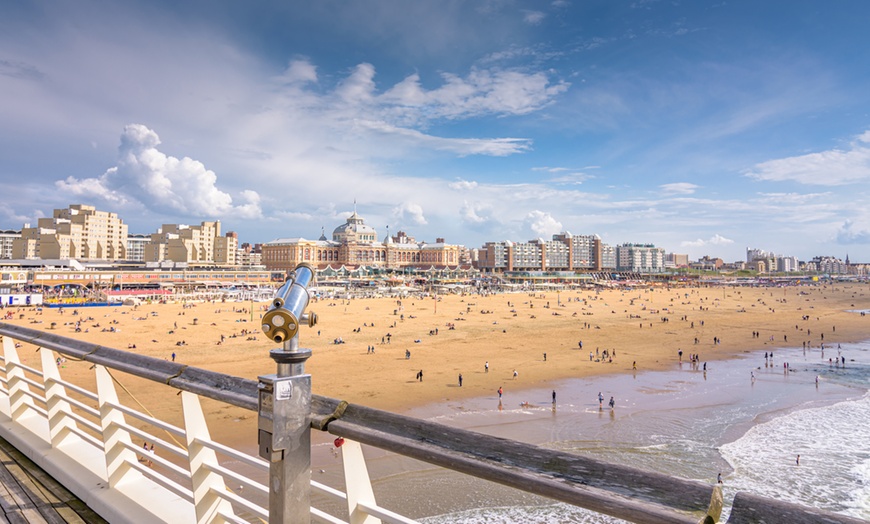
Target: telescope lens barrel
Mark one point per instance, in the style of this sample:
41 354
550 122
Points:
281 322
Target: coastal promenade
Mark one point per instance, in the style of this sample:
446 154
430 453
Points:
28 494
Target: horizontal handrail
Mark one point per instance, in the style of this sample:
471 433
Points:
236 391
612 489
77 389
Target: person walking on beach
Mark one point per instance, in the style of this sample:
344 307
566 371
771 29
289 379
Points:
460 380
500 392
486 367
600 400
554 396
420 375
515 374
612 403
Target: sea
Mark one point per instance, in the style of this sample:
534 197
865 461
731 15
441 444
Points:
747 418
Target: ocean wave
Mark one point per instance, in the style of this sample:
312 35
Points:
833 443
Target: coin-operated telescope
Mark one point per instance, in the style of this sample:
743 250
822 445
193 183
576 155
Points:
284 403
281 322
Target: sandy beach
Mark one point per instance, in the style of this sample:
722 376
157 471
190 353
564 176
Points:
528 340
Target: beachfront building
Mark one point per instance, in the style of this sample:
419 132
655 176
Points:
788 264
355 244
828 265
248 255
136 247
7 238
182 244
79 232
676 260
565 252
640 258
708 263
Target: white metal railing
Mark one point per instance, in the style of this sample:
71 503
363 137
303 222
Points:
85 438
82 438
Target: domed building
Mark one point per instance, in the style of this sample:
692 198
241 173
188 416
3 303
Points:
355 244
354 230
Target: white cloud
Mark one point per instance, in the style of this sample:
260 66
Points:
551 169
475 213
679 188
543 224
161 182
834 167
570 179
533 17
299 72
410 213
490 91
359 86
462 185
715 240
848 234
459 146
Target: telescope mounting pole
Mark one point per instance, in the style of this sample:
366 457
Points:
285 435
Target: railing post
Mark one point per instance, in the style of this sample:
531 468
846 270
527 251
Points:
284 436
119 458
19 402
357 483
205 482
55 400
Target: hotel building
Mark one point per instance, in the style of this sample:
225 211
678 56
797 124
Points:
355 244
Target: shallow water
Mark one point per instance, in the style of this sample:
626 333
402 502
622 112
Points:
683 422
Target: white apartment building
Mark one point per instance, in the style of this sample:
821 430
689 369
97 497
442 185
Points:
640 258
7 237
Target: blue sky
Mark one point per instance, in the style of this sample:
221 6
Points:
701 127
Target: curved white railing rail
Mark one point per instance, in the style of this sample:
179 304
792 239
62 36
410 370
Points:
88 441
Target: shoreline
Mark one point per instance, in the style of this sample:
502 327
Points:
673 421
509 331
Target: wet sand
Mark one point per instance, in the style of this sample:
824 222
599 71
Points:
639 328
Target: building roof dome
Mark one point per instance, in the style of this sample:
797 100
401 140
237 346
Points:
354 229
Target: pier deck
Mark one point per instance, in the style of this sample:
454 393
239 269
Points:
29 495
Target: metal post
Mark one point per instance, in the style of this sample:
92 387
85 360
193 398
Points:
284 434
284 399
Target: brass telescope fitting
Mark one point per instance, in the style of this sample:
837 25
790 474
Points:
281 322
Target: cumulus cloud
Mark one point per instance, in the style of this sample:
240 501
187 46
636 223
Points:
834 167
715 240
849 234
543 224
410 213
161 182
462 185
679 188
